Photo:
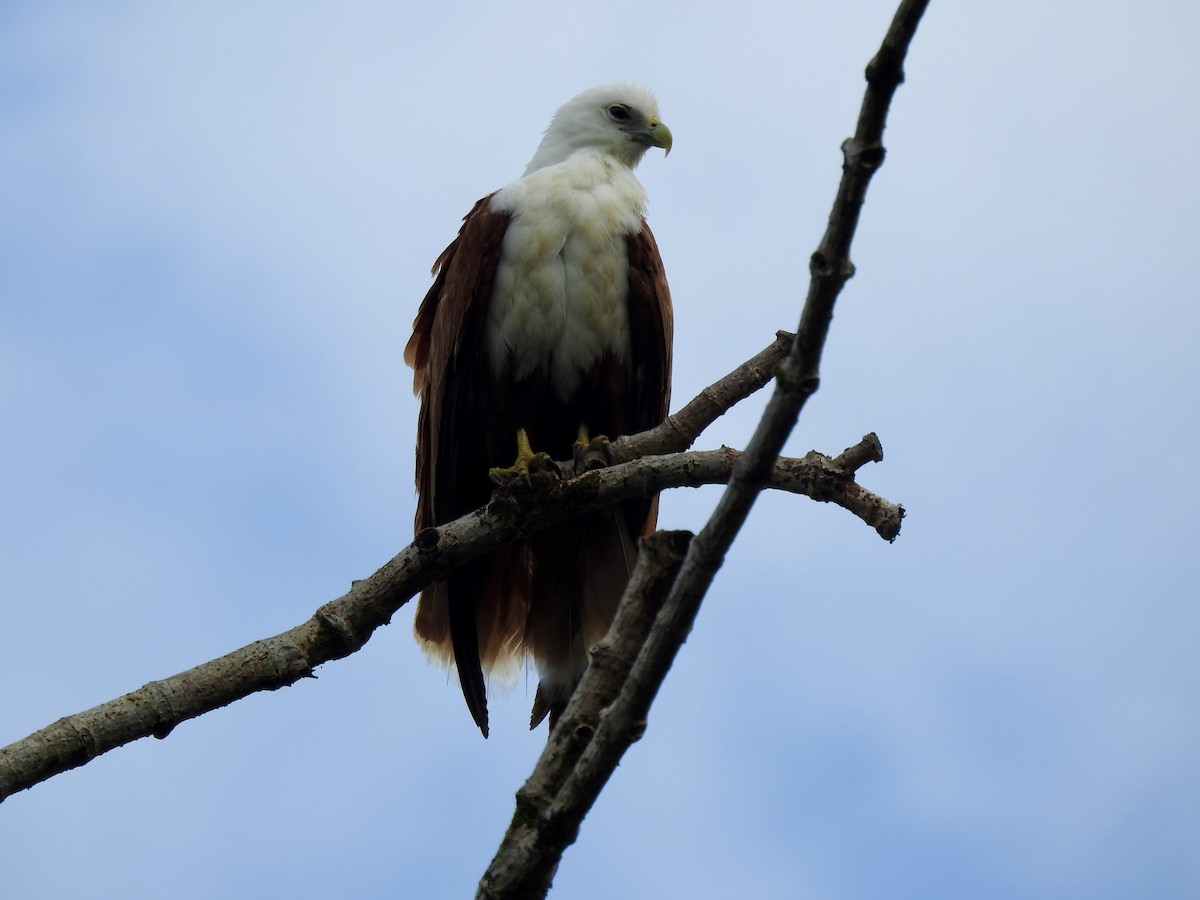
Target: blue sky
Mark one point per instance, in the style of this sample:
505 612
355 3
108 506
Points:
216 226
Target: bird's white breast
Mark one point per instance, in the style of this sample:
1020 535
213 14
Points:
559 297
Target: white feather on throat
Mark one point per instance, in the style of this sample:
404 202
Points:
559 296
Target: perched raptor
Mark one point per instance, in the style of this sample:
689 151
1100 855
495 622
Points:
547 331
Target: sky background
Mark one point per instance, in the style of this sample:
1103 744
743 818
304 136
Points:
216 223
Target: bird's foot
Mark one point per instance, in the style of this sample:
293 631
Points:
527 466
525 469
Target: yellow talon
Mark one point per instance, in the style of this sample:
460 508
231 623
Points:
526 462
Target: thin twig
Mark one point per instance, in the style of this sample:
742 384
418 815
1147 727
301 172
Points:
681 429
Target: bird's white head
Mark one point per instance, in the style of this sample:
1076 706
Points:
618 119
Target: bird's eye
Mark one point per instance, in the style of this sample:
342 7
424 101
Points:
618 112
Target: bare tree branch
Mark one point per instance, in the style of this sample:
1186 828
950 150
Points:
548 815
830 267
342 626
593 734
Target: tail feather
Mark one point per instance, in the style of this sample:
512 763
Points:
476 617
546 704
552 598
461 590
578 575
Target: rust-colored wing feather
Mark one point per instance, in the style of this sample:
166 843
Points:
447 332
651 329
454 451
651 326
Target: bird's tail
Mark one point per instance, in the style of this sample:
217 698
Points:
476 618
578 575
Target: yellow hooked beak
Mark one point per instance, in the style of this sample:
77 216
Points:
658 135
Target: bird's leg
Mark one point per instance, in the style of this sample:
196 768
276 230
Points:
591 452
527 463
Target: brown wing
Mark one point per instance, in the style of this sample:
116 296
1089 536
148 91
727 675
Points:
446 344
651 328
454 453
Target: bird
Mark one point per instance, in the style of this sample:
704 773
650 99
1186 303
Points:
546 333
